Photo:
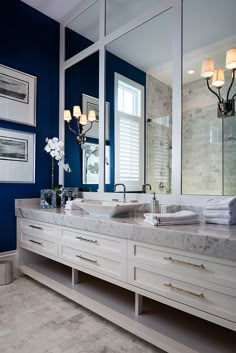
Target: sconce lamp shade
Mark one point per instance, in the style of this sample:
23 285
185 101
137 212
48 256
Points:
91 115
76 111
231 59
67 115
207 70
83 119
218 78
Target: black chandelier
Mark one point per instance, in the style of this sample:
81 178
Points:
226 107
82 121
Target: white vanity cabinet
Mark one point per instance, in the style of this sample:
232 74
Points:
200 282
174 299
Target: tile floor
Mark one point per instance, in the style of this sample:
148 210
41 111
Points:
35 319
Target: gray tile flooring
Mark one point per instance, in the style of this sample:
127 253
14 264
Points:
35 319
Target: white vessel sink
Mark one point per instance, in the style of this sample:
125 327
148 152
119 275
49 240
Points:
110 208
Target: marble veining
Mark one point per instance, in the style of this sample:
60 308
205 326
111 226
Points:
206 239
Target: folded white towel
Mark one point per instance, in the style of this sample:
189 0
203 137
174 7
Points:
167 223
220 221
226 214
221 204
181 217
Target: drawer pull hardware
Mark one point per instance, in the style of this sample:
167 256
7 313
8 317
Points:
202 267
35 227
36 242
88 240
184 291
85 258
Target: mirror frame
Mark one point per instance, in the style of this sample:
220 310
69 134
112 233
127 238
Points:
100 45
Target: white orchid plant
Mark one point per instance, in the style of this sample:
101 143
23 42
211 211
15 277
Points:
56 150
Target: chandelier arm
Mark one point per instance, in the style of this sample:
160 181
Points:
72 130
91 125
233 96
222 100
232 81
208 86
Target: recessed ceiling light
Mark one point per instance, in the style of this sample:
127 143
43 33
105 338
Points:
190 72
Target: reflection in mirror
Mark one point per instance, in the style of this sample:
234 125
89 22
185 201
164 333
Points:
139 89
79 33
81 91
208 142
117 17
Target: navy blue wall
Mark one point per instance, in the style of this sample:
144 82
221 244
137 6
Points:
84 78
29 43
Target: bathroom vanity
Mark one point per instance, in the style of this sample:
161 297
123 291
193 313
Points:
173 286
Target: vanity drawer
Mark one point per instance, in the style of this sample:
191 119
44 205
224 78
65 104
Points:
111 266
96 243
222 272
40 243
183 291
39 228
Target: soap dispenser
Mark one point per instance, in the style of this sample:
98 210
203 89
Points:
154 204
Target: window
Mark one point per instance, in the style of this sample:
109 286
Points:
129 133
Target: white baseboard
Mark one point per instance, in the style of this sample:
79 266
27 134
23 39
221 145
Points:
12 256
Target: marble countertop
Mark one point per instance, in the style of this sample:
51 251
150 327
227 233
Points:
206 239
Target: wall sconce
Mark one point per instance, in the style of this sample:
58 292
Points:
226 107
82 120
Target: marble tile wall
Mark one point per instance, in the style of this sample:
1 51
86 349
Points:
159 110
208 167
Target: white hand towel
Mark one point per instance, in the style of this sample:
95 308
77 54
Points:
221 204
181 217
168 217
220 221
227 214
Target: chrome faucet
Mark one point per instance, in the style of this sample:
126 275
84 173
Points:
124 199
144 187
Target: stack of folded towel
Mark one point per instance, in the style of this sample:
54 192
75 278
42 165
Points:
221 211
166 219
73 204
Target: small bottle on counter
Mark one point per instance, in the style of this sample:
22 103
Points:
154 204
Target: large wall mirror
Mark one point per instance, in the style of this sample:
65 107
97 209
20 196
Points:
208 142
137 75
139 89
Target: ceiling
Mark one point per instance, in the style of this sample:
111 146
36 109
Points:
209 30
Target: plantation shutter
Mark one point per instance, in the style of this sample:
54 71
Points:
129 134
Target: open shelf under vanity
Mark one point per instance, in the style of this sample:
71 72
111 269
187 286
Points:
168 328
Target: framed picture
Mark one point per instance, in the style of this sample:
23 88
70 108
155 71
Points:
17 156
91 163
17 96
91 103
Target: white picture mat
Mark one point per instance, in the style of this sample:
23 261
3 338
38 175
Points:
13 109
93 159
12 171
93 104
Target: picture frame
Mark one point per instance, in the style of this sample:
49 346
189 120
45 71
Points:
48 198
17 156
90 163
17 96
92 103
68 194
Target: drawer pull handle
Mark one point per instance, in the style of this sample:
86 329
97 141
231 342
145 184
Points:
36 242
88 240
201 267
201 295
35 227
85 258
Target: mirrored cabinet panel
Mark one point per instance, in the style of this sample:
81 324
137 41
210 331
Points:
82 123
208 135
82 31
116 16
139 90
